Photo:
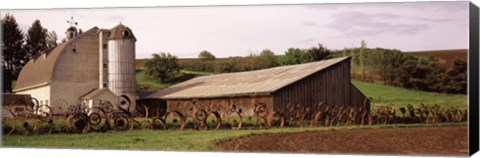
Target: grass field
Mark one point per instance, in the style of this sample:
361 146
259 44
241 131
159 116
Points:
384 95
153 84
158 140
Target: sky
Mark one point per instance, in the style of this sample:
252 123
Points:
241 30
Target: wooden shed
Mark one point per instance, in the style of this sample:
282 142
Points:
326 81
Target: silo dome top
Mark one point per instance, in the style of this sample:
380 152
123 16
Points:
121 32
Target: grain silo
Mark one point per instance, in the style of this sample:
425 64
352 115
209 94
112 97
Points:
121 62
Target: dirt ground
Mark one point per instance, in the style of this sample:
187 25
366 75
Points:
445 140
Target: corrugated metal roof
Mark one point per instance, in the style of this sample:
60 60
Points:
258 82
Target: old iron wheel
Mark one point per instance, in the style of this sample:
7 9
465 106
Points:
271 120
235 120
157 123
177 120
78 123
214 121
121 122
95 121
316 119
12 120
201 115
44 113
106 107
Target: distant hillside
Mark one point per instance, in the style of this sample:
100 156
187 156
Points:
445 56
139 62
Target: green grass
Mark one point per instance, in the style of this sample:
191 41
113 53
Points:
159 140
401 97
152 83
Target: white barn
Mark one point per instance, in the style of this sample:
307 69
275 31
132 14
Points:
98 64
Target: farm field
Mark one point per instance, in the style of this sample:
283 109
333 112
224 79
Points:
446 140
166 139
445 56
401 97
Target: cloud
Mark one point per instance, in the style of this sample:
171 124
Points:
310 23
354 23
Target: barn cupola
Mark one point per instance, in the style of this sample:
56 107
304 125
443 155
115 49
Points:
72 30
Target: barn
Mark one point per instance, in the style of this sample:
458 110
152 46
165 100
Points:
326 81
98 64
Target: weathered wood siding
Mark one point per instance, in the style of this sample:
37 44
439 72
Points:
357 98
331 86
246 104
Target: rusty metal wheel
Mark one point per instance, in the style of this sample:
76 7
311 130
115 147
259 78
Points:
201 114
44 113
125 103
106 107
78 123
158 123
235 120
275 119
175 120
10 121
122 122
214 121
316 119
95 121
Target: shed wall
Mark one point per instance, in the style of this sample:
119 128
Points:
331 86
246 104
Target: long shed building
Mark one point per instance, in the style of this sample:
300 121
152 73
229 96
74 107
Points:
326 81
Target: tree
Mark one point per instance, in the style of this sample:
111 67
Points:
295 56
267 59
51 40
163 66
36 39
352 62
458 77
319 53
206 55
386 62
362 58
13 54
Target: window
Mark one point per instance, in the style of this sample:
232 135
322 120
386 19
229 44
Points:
126 33
104 46
74 48
105 65
104 84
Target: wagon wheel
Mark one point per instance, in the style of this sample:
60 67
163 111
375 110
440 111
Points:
72 109
214 121
59 104
95 121
316 119
275 119
235 120
122 122
158 123
261 122
44 113
125 103
175 120
9 122
78 123
201 119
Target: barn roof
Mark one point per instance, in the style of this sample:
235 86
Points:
39 70
250 83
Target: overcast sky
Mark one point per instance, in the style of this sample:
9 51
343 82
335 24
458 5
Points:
241 30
